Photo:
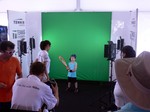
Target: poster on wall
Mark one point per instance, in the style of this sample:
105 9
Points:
18 33
16 25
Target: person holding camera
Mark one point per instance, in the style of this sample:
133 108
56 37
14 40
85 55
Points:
120 99
31 93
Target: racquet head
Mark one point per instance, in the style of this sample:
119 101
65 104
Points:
62 60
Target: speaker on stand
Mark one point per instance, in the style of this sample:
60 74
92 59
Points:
22 48
120 43
110 54
32 46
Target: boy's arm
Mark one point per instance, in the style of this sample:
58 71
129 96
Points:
75 68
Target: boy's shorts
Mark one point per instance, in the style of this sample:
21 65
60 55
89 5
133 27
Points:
72 79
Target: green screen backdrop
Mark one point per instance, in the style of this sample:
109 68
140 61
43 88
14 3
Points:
80 33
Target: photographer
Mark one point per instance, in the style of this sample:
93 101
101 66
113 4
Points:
120 99
30 93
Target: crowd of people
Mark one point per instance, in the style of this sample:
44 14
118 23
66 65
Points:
30 93
34 94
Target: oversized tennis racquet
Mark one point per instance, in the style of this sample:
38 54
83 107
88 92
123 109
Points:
63 61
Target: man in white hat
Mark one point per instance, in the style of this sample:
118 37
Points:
133 75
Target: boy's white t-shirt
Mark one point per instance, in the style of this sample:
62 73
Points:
44 58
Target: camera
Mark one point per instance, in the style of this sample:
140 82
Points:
51 82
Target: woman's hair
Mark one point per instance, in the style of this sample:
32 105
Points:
37 68
44 43
128 51
6 44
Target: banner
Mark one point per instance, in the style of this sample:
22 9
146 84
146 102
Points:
21 27
17 34
16 25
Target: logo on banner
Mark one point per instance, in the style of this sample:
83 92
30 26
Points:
19 32
19 22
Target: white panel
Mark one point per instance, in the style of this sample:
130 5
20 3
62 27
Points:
123 23
17 32
33 26
143 41
37 5
120 26
114 5
70 5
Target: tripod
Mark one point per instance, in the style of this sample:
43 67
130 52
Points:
32 46
111 81
31 55
20 59
101 104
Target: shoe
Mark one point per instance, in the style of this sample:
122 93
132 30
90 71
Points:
67 89
76 90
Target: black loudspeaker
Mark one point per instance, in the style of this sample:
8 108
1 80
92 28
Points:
106 51
121 44
22 47
118 45
110 51
32 43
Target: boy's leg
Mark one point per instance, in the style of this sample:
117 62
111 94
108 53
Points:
75 85
69 84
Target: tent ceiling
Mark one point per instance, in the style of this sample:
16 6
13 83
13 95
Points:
70 5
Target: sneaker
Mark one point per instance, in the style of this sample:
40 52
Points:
76 90
67 89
